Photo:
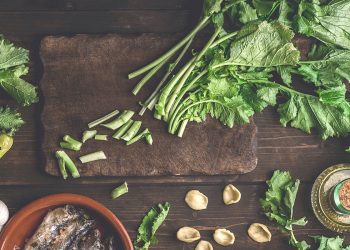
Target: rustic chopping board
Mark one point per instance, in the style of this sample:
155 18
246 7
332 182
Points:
85 77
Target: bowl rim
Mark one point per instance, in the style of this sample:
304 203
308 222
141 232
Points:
62 199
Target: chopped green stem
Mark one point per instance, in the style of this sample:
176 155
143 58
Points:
103 119
204 22
168 88
153 96
88 134
69 164
182 128
223 39
122 130
149 138
189 71
132 131
69 146
120 121
74 143
101 137
62 167
147 77
95 156
138 137
119 191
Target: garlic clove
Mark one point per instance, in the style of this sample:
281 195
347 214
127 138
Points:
204 245
259 233
4 214
188 234
224 237
196 200
231 195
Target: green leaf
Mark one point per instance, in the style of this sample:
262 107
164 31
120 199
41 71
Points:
10 55
326 243
211 7
326 66
10 120
328 23
332 96
12 67
307 113
243 12
149 226
264 45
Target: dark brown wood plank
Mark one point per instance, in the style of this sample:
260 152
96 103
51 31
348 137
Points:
131 208
69 5
59 22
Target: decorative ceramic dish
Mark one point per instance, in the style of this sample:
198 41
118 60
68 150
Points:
320 198
23 224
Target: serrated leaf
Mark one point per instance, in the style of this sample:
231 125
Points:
10 120
264 45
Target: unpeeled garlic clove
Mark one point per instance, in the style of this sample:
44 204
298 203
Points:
259 233
231 195
196 200
204 245
188 234
224 237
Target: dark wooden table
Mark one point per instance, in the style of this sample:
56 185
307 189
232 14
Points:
22 179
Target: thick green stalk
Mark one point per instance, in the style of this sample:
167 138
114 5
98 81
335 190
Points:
103 119
173 50
76 145
146 78
66 145
119 191
168 88
155 93
122 130
182 128
138 137
68 163
223 39
132 131
62 167
101 137
88 134
184 91
189 71
99 155
120 121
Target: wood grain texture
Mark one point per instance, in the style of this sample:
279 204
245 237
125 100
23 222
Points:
86 77
131 207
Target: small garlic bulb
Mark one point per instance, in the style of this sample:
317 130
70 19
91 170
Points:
4 214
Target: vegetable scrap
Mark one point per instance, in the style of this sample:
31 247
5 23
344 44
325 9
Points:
119 191
95 156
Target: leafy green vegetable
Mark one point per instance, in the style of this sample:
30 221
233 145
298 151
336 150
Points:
278 204
13 62
10 120
326 243
149 226
328 22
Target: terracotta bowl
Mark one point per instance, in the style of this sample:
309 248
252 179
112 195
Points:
24 223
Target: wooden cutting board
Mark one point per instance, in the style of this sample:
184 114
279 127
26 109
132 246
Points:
85 77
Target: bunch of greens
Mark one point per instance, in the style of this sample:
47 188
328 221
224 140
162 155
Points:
13 65
231 77
149 226
279 202
326 243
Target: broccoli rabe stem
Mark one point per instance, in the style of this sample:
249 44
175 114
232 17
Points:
122 130
138 137
120 121
132 131
101 137
103 119
204 22
119 191
69 164
153 97
70 143
62 167
88 134
99 155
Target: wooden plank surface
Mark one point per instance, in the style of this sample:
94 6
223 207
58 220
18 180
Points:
22 179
